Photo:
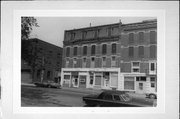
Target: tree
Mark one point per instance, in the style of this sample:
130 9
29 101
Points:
28 49
27 23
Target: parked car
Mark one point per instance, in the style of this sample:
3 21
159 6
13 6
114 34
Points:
49 84
115 99
151 95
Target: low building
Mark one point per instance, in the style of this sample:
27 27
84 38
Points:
41 61
114 56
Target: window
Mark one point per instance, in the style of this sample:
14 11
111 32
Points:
85 50
113 47
72 36
93 49
67 63
153 79
135 70
116 98
113 61
142 78
98 80
104 49
131 51
84 34
152 51
67 77
84 63
135 64
38 73
74 62
135 67
48 74
131 38
91 79
152 85
141 51
129 83
114 79
67 51
152 66
92 62
141 37
152 37
140 86
108 97
75 51
104 61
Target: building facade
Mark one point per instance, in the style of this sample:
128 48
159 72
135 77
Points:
44 61
114 56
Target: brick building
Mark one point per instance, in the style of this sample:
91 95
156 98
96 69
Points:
40 61
114 56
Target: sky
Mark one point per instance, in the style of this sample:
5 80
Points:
52 29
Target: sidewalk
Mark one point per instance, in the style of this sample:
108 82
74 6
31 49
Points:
82 90
87 90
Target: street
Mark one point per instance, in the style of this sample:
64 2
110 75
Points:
32 96
51 97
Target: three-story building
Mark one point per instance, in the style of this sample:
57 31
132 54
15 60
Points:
114 56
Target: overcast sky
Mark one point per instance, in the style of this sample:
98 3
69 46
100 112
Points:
52 28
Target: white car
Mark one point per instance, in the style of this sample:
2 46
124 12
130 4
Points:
151 95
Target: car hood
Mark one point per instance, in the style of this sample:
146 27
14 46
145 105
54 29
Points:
91 96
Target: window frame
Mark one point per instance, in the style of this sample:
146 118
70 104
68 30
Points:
104 53
69 51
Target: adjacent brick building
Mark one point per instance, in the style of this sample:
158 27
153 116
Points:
114 56
41 61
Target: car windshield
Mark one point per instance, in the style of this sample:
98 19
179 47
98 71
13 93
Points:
125 97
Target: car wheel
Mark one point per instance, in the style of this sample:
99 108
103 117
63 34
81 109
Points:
152 96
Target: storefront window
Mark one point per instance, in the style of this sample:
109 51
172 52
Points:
66 77
114 79
98 80
129 83
91 80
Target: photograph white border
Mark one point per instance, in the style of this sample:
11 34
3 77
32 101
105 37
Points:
171 100
159 14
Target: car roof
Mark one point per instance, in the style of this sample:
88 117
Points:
114 92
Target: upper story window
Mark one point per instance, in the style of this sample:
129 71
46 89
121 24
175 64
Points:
84 50
67 51
73 36
113 61
109 31
141 37
141 51
103 61
48 74
152 51
113 48
152 37
135 67
75 51
84 34
131 51
84 62
93 49
131 38
104 49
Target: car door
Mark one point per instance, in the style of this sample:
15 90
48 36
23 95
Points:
108 101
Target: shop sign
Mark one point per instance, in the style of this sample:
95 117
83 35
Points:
75 73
